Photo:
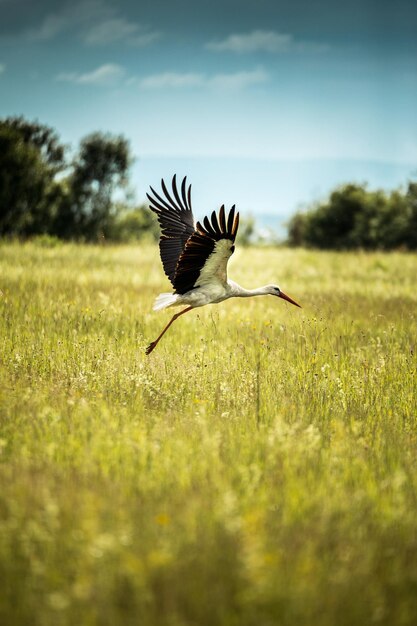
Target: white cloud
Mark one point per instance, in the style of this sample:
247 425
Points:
95 22
258 40
67 18
239 80
106 75
112 74
171 79
231 81
263 41
119 29
51 26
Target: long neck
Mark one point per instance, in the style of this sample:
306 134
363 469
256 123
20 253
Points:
241 292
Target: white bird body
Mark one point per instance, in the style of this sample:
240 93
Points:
210 293
195 256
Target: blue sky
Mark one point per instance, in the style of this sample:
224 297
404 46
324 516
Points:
267 104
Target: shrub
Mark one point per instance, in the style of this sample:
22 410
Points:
354 217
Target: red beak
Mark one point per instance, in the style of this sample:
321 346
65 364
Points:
288 299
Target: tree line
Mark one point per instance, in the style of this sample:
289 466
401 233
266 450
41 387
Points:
44 191
354 217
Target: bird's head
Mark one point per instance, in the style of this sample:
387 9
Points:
274 290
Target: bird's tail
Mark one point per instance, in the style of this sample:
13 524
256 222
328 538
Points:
164 300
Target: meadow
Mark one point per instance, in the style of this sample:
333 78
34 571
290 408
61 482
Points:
257 469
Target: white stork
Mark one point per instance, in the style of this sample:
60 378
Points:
195 256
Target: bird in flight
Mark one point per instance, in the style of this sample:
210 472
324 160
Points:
195 256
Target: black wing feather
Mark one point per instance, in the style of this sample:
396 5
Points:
201 245
208 227
176 222
177 196
162 203
214 222
231 218
185 248
166 192
222 219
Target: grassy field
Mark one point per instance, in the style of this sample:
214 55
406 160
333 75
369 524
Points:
258 469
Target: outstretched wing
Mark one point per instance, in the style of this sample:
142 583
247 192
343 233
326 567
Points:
207 251
176 220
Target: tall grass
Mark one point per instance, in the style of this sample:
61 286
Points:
259 468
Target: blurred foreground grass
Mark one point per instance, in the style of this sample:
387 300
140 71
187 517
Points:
259 468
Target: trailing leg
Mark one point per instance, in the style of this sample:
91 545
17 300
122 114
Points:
153 345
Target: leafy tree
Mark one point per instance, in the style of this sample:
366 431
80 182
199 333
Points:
30 157
87 210
332 223
246 230
411 235
366 229
356 218
394 222
298 228
41 137
133 224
